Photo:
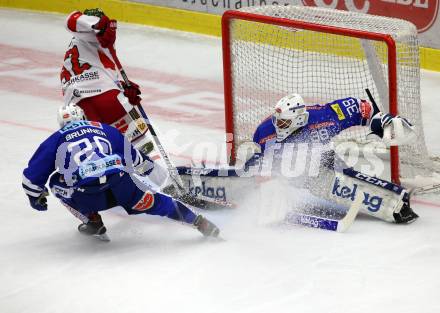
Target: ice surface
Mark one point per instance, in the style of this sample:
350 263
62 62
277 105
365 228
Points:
155 265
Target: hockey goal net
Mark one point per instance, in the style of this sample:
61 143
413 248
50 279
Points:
323 55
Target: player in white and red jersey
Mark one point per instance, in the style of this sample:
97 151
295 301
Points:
89 76
90 79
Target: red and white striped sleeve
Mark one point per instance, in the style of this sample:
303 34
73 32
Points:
79 23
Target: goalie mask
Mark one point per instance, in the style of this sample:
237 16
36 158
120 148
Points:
290 114
70 113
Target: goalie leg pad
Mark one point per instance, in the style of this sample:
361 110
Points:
380 198
376 202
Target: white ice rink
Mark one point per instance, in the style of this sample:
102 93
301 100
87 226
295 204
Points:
155 265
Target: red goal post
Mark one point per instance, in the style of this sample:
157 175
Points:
228 62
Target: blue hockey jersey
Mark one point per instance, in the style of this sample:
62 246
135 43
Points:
82 151
325 122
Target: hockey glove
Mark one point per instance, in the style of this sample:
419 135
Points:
132 92
94 12
379 122
39 203
393 131
106 31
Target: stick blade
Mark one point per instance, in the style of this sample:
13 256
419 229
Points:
345 223
313 221
337 225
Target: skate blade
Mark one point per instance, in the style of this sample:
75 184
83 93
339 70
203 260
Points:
214 239
218 238
103 237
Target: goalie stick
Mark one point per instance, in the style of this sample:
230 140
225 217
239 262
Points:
175 178
339 226
373 102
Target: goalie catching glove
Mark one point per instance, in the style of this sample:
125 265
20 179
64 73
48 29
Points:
393 131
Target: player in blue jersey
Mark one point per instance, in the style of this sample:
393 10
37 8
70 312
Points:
92 168
294 122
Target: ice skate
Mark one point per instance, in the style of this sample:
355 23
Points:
207 228
406 215
94 227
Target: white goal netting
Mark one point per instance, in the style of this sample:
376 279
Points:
269 61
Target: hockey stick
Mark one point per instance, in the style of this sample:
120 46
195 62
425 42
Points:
175 177
339 226
426 189
373 102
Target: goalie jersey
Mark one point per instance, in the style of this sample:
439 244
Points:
325 122
82 151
